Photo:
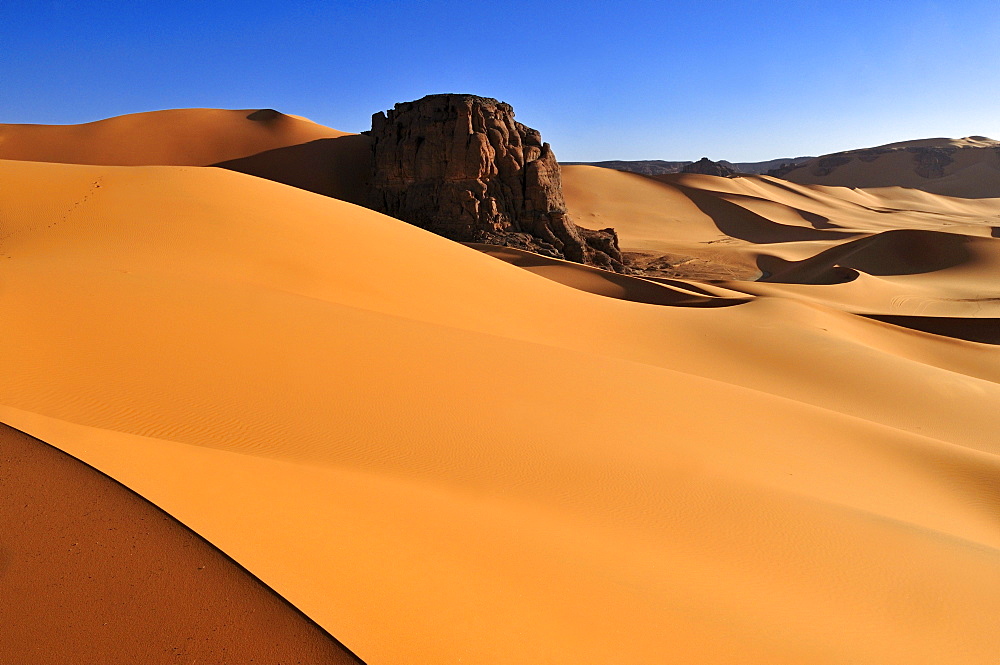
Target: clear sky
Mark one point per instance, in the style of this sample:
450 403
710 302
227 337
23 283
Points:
632 79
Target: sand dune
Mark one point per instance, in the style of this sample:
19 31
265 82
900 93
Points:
985 330
839 247
897 252
439 456
614 285
182 137
261 142
967 167
336 166
650 213
92 573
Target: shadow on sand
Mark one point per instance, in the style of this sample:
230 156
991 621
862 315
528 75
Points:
896 252
338 167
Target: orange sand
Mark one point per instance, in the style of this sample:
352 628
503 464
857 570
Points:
261 142
92 573
442 457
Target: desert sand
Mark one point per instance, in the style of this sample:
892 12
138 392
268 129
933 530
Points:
968 167
443 457
261 142
93 573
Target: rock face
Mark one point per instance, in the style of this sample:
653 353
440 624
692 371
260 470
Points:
931 162
706 166
462 167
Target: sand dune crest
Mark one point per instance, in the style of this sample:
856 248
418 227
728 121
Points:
92 573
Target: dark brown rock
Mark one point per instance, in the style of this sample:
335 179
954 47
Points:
706 166
462 167
263 115
826 165
660 167
930 162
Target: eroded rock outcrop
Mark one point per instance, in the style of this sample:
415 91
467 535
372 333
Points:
706 166
462 167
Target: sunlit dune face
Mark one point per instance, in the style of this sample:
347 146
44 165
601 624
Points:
775 441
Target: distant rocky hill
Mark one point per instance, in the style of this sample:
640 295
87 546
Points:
462 167
967 167
659 167
644 167
706 166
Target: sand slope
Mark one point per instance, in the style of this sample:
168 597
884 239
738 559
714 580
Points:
442 457
890 251
188 137
260 142
92 573
966 167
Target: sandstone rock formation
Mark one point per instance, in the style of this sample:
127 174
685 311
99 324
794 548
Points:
462 167
706 166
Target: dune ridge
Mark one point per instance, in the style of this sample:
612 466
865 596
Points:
178 137
968 167
497 466
89 569
263 142
440 456
889 252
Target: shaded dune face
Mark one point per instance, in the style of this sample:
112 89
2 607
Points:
338 167
898 252
984 331
613 285
92 573
968 167
442 457
741 223
177 137
264 143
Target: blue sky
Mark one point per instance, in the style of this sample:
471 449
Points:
741 81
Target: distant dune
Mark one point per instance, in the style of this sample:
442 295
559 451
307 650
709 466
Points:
182 137
741 228
260 142
967 167
774 442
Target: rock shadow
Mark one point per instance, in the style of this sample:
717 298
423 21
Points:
336 167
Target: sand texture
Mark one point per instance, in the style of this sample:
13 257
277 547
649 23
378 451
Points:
442 457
